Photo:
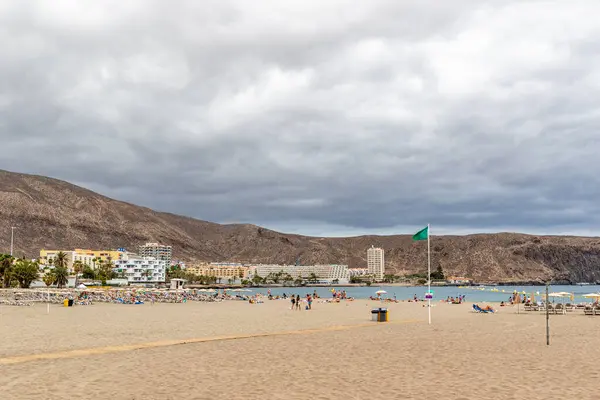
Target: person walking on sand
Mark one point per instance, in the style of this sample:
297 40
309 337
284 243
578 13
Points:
293 303
298 302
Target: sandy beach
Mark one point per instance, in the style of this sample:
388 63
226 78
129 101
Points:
243 351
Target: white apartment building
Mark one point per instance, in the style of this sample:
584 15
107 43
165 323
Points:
376 262
358 271
142 269
328 272
158 251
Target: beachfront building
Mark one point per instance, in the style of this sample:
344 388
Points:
356 272
376 262
233 271
141 269
86 256
325 273
459 280
159 251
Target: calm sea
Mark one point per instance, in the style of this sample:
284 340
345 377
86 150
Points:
487 293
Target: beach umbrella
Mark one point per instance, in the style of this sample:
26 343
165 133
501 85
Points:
379 292
592 296
557 294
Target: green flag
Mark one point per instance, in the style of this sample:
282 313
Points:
422 234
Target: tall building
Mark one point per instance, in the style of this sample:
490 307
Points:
376 262
159 251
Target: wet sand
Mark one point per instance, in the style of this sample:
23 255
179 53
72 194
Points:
333 351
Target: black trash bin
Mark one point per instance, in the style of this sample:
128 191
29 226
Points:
382 315
70 302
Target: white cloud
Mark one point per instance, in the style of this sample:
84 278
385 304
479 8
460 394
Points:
328 116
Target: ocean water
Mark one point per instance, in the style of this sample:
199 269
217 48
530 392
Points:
472 293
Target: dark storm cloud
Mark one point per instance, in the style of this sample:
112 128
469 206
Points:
361 117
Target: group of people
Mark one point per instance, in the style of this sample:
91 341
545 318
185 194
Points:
115 296
297 302
341 294
456 300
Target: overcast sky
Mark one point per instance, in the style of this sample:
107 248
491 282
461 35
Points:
316 117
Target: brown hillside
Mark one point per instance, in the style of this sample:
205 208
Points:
54 214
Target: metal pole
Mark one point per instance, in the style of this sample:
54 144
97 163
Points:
12 235
547 317
428 276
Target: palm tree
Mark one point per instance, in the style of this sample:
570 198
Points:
147 274
62 276
106 271
49 278
61 259
25 272
78 269
6 267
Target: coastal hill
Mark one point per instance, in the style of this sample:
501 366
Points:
54 214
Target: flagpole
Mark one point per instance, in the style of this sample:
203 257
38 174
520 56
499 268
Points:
428 275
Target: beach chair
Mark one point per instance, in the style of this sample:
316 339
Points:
478 309
588 310
596 310
559 309
569 307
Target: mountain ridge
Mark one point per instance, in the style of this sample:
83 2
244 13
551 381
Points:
54 214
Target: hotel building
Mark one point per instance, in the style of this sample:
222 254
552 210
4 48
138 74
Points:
376 262
142 269
219 270
85 256
327 272
358 272
158 251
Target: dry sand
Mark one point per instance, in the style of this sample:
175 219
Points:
331 352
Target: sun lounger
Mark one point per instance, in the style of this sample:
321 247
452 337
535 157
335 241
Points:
588 310
559 309
596 310
478 309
